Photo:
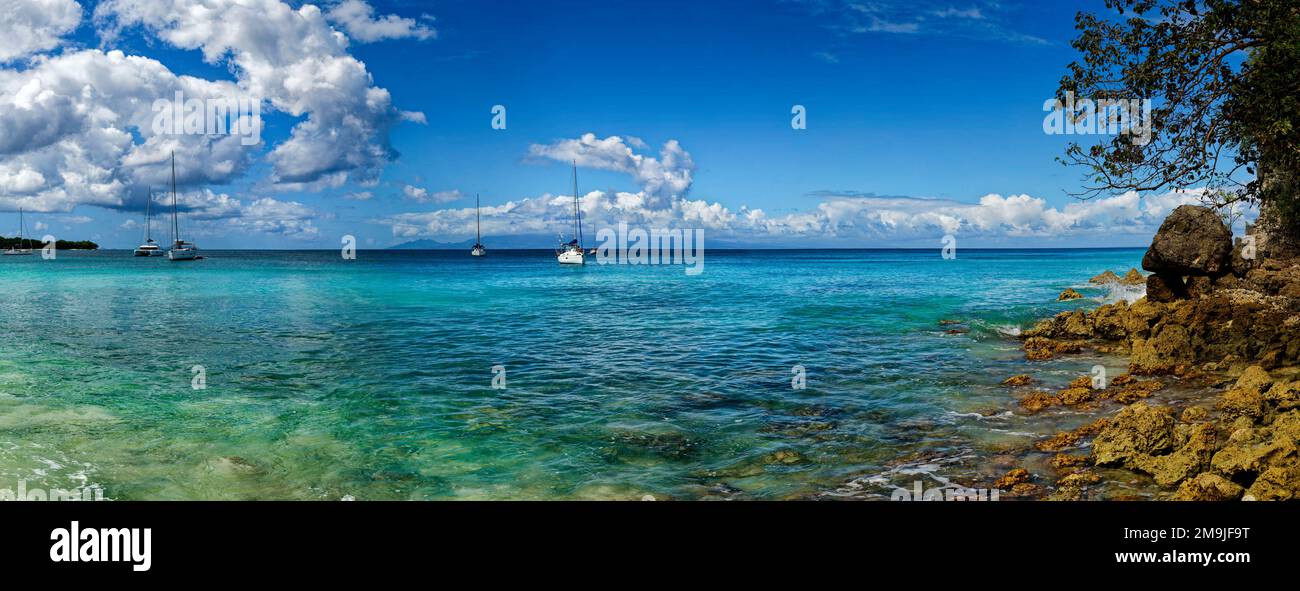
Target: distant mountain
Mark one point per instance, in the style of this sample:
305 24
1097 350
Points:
491 242
426 244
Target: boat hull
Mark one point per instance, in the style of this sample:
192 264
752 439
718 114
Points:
184 254
11 253
478 251
571 257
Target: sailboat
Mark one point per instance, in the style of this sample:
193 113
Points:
571 253
180 250
478 250
23 246
149 248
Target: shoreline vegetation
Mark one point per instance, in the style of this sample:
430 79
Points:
35 244
1215 317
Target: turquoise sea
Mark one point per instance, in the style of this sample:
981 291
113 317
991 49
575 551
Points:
373 378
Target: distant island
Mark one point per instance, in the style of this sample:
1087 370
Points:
58 245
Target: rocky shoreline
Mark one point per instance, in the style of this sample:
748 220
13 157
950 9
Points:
1217 316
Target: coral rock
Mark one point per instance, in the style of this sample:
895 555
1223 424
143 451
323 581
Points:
1038 400
1042 348
1017 380
1068 461
1105 277
1067 439
1133 277
1162 353
1275 484
1012 478
1208 487
1138 430
1194 414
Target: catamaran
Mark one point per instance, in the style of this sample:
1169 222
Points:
180 250
23 246
478 250
149 248
571 253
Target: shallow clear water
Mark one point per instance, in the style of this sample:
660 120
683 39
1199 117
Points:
373 378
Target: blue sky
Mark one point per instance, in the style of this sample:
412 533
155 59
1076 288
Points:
923 118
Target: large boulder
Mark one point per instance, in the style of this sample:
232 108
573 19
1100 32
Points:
1193 240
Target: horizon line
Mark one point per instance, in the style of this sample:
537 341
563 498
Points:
548 249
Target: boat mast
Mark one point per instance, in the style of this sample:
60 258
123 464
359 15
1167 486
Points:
577 214
148 234
176 227
478 223
23 243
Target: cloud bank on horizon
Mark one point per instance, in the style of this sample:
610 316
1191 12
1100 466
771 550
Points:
841 219
75 132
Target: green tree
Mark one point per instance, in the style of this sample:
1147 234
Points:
1224 80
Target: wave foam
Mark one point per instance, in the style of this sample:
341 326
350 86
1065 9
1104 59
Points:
1129 293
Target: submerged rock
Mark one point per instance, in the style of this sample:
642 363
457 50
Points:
1067 439
1193 240
784 456
1018 380
1038 400
234 466
670 445
1025 489
1078 479
1061 461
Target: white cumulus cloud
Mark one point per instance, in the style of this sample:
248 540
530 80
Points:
31 26
292 58
661 179
358 20
422 195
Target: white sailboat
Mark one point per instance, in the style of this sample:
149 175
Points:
571 252
180 250
23 246
478 250
149 248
